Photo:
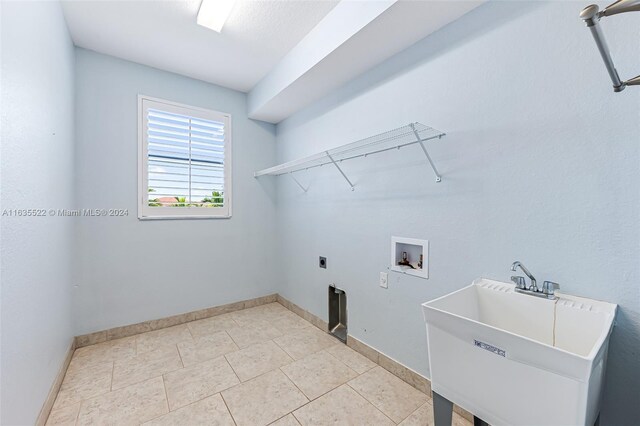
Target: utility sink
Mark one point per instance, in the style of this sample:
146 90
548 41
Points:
514 359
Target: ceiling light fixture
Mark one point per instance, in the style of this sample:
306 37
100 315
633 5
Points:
214 13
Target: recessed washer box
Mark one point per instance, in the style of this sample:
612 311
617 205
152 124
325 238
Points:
410 256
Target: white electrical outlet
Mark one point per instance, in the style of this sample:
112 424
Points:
384 280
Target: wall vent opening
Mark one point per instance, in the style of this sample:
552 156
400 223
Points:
338 313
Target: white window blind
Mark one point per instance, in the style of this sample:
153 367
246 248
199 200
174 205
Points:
186 161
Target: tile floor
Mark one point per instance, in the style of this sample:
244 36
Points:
259 366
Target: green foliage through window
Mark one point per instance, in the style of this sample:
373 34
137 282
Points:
215 200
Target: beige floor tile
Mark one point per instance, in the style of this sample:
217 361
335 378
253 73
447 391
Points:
274 307
363 349
388 393
263 400
84 383
65 416
288 323
145 366
157 339
341 406
194 383
257 359
287 420
206 347
269 309
211 325
266 314
281 359
318 373
131 405
458 420
403 373
252 316
103 352
209 411
252 334
423 416
351 358
305 342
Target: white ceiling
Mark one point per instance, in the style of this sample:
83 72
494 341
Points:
267 47
164 34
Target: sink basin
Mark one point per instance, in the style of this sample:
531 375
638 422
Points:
515 359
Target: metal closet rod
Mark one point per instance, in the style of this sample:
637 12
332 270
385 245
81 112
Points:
591 16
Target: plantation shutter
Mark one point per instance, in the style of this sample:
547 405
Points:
185 158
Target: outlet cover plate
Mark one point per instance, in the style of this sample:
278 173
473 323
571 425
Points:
384 280
322 262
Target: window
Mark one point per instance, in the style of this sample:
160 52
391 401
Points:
184 161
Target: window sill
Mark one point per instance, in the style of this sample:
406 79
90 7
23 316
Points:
182 217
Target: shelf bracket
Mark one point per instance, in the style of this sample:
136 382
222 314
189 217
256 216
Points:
340 170
298 182
426 153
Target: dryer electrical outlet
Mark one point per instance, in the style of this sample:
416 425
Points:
322 262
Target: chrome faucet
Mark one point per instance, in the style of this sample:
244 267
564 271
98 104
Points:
548 287
517 264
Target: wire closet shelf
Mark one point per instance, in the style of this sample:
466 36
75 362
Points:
410 134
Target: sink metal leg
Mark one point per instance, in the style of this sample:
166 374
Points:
442 410
479 422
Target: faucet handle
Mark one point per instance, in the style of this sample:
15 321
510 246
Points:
549 288
519 282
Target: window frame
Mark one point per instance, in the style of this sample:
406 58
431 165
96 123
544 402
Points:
145 212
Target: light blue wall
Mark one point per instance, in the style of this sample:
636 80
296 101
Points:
540 164
130 270
37 173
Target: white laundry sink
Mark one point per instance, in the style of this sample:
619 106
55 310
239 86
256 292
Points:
516 359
